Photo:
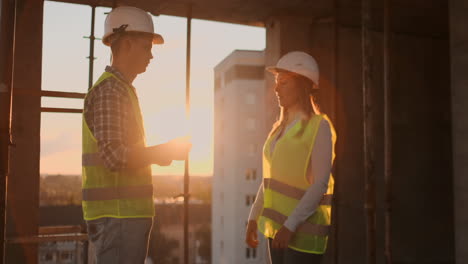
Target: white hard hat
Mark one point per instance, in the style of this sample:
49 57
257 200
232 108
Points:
298 62
129 19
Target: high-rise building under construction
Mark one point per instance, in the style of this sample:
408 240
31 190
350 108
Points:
239 133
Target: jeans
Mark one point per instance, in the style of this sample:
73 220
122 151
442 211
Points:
290 256
120 241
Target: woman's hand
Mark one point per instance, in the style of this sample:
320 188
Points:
282 238
251 235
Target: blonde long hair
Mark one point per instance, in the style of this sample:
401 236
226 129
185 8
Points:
308 103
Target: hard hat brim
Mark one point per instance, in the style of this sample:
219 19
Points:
157 39
275 70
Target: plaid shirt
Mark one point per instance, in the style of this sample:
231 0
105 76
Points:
108 113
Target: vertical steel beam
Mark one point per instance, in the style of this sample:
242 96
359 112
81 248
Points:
187 110
7 36
369 137
90 84
387 133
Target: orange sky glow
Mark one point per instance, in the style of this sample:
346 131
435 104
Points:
161 89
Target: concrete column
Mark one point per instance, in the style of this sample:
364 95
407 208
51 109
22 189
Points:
283 34
23 183
7 31
459 89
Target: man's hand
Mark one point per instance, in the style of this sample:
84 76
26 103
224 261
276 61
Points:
162 154
164 161
251 234
282 238
178 148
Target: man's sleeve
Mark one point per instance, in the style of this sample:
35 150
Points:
110 116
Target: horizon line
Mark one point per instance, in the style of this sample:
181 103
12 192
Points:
154 175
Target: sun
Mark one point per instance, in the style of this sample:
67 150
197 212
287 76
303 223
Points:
172 122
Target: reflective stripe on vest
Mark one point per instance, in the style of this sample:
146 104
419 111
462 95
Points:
306 227
111 193
292 191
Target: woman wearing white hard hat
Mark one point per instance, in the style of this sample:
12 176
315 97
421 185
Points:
293 204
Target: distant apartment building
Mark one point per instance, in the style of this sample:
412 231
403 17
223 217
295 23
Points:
238 141
61 218
63 252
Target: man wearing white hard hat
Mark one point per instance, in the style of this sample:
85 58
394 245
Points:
117 186
293 204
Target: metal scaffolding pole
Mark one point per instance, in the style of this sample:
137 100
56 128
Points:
187 110
387 134
7 36
91 48
369 137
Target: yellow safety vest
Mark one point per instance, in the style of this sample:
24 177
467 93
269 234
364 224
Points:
126 193
285 182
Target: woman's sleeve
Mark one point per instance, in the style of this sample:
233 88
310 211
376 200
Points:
257 206
320 164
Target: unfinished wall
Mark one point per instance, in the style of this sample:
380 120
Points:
422 171
459 83
423 211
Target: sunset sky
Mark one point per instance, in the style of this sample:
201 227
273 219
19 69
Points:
161 88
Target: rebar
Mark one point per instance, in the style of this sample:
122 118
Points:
387 133
334 62
369 137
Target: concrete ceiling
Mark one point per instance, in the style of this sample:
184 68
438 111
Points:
423 17
249 12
